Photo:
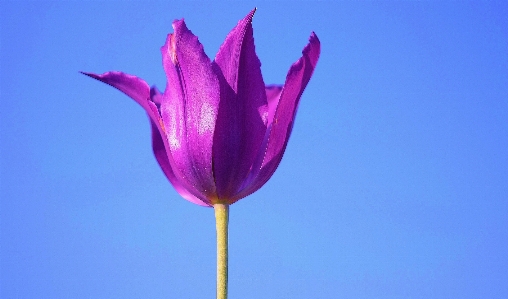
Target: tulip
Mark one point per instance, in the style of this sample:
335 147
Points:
218 132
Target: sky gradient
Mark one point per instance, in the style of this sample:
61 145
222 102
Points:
394 183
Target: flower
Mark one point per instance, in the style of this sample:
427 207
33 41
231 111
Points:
218 132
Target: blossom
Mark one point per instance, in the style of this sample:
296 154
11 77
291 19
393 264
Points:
218 132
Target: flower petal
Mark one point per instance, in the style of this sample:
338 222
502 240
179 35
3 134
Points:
160 153
149 99
241 123
159 145
280 128
134 87
189 108
272 95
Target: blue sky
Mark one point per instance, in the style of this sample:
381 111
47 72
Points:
394 183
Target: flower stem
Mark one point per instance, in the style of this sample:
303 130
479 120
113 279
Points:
221 220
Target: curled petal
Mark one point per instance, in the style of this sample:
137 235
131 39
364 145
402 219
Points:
280 128
149 99
134 87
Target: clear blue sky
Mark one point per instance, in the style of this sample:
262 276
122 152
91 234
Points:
394 183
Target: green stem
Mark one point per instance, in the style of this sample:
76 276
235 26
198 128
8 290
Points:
221 220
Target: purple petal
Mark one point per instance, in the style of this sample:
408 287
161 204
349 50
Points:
189 108
242 119
280 128
148 98
134 87
273 93
159 149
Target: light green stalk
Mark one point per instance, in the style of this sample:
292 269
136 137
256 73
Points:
221 220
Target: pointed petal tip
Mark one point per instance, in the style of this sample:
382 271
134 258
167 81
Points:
178 22
252 12
313 49
89 74
113 78
106 75
248 18
313 40
94 75
179 28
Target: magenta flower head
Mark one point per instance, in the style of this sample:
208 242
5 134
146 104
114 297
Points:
218 132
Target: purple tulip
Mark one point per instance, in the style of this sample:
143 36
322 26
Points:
218 132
